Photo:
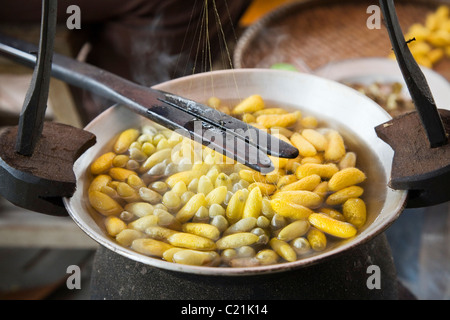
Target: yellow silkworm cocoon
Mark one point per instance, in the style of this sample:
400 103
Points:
278 120
127 236
305 198
283 249
214 102
135 182
159 233
252 176
333 214
250 104
266 188
309 183
417 31
114 225
285 132
285 180
267 257
174 139
186 176
204 185
305 148
104 203
293 230
355 212
317 139
300 245
165 219
150 247
148 148
155 158
216 196
99 182
127 193
442 12
293 164
223 180
435 55
149 195
191 241
274 176
253 205
282 136
420 48
237 240
143 223
195 258
289 209
335 149
125 139
248 118
309 122
190 208
343 195
179 188
103 163
139 209
348 161
424 61
243 225
346 178
168 254
322 189
120 174
120 160
439 38
317 239
270 111
235 206
202 229
331 226
279 162
318 158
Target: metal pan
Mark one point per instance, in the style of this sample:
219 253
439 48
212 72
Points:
342 107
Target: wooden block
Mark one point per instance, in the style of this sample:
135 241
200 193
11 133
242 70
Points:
417 167
38 182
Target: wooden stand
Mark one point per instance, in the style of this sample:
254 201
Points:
417 167
38 182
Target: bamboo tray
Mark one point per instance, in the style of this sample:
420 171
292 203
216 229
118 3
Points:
310 34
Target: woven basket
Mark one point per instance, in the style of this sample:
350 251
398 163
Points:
312 33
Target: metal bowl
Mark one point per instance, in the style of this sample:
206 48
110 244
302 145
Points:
344 108
383 70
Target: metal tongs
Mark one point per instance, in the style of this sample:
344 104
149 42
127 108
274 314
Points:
232 137
420 141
